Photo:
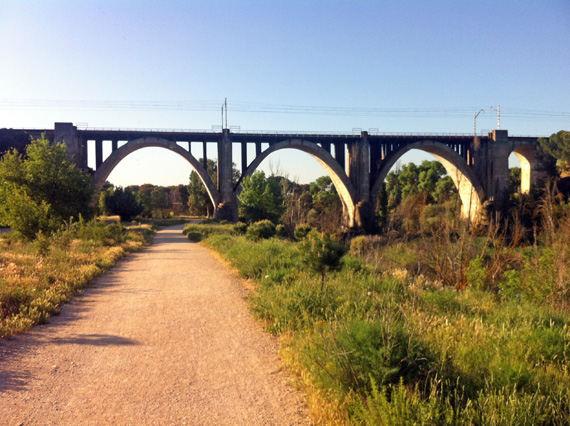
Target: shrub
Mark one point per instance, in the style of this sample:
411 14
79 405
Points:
322 254
240 228
261 230
281 231
301 231
360 246
381 350
195 237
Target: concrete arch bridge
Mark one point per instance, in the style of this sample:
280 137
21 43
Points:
357 163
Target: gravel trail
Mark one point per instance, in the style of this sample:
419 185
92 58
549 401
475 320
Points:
165 338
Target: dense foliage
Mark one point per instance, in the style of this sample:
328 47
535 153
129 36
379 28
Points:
42 190
428 180
147 201
261 198
557 147
123 202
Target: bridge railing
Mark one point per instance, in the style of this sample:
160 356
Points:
289 133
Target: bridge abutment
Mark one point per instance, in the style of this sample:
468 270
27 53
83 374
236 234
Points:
76 146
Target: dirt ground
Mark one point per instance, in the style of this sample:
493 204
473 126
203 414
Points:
165 338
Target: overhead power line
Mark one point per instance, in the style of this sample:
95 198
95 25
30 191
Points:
266 108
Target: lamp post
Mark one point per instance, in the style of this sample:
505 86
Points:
475 115
498 109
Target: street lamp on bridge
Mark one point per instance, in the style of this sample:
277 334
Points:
475 115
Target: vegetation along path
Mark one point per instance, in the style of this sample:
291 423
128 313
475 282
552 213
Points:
165 338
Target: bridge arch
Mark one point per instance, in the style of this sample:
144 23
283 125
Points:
334 170
105 169
470 191
529 166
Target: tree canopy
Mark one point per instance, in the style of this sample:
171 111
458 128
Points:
42 189
429 179
123 203
558 147
261 198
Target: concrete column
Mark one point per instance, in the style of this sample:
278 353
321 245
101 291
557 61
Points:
339 154
67 133
98 153
359 174
359 167
498 159
243 157
228 207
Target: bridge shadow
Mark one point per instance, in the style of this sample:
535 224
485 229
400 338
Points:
14 376
95 340
17 379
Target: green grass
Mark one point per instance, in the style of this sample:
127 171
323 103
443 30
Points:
383 345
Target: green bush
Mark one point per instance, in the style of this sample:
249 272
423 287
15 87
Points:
240 228
360 246
281 231
382 350
301 231
205 230
263 229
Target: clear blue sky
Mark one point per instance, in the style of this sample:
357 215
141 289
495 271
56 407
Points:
452 57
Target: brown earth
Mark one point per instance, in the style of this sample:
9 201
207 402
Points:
165 338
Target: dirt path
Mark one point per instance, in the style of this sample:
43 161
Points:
164 339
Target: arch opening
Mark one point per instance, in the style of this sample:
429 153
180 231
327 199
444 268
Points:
330 166
114 159
526 156
469 190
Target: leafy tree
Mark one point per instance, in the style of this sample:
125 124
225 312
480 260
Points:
445 190
123 202
514 180
159 198
261 198
143 196
178 198
102 204
428 179
558 147
42 190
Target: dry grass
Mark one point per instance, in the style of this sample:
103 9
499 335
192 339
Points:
37 278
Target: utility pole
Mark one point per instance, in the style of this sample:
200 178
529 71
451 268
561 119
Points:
226 105
475 115
498 109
